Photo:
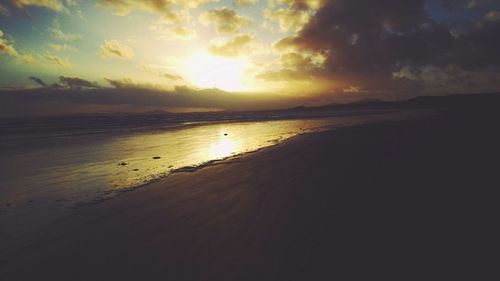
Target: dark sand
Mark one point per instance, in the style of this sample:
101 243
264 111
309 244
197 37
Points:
399 200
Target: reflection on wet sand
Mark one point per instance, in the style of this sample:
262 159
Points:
85 169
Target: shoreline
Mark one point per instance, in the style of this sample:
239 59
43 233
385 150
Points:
72 203
109 195
188 171
286 212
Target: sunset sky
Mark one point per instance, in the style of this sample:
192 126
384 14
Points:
299 48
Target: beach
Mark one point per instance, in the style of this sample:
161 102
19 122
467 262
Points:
245 140
49 172
404 200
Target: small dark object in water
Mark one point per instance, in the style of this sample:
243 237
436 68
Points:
156 157
123 164
135 170
225 134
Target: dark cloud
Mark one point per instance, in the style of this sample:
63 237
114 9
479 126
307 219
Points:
173 77
477 49
158 72
77 83
128 84
388 45
128 96
466 4
4 11
38 81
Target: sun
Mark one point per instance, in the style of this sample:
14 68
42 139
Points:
207 71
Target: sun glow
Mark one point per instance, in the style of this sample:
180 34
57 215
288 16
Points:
207 71
223 148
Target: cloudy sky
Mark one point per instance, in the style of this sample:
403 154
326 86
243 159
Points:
356 48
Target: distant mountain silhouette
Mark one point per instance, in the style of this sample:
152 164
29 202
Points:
459 101
367 100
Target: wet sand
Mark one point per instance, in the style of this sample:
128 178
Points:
397 200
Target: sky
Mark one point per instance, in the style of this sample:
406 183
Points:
297 51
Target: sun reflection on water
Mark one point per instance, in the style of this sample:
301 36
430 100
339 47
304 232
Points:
89 169
223 147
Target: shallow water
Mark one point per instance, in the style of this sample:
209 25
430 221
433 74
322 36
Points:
69 170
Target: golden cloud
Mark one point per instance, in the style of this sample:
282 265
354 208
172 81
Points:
115 49
295 66
172 33
230 48
26 58
298 4
245 2
288 19
62 47
291 15
55 5
63 62
225 20
123 7
168 9
58 34
6 47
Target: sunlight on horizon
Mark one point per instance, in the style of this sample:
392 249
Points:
207 71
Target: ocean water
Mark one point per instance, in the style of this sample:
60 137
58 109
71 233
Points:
48 169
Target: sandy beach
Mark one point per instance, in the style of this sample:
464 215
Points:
398 200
